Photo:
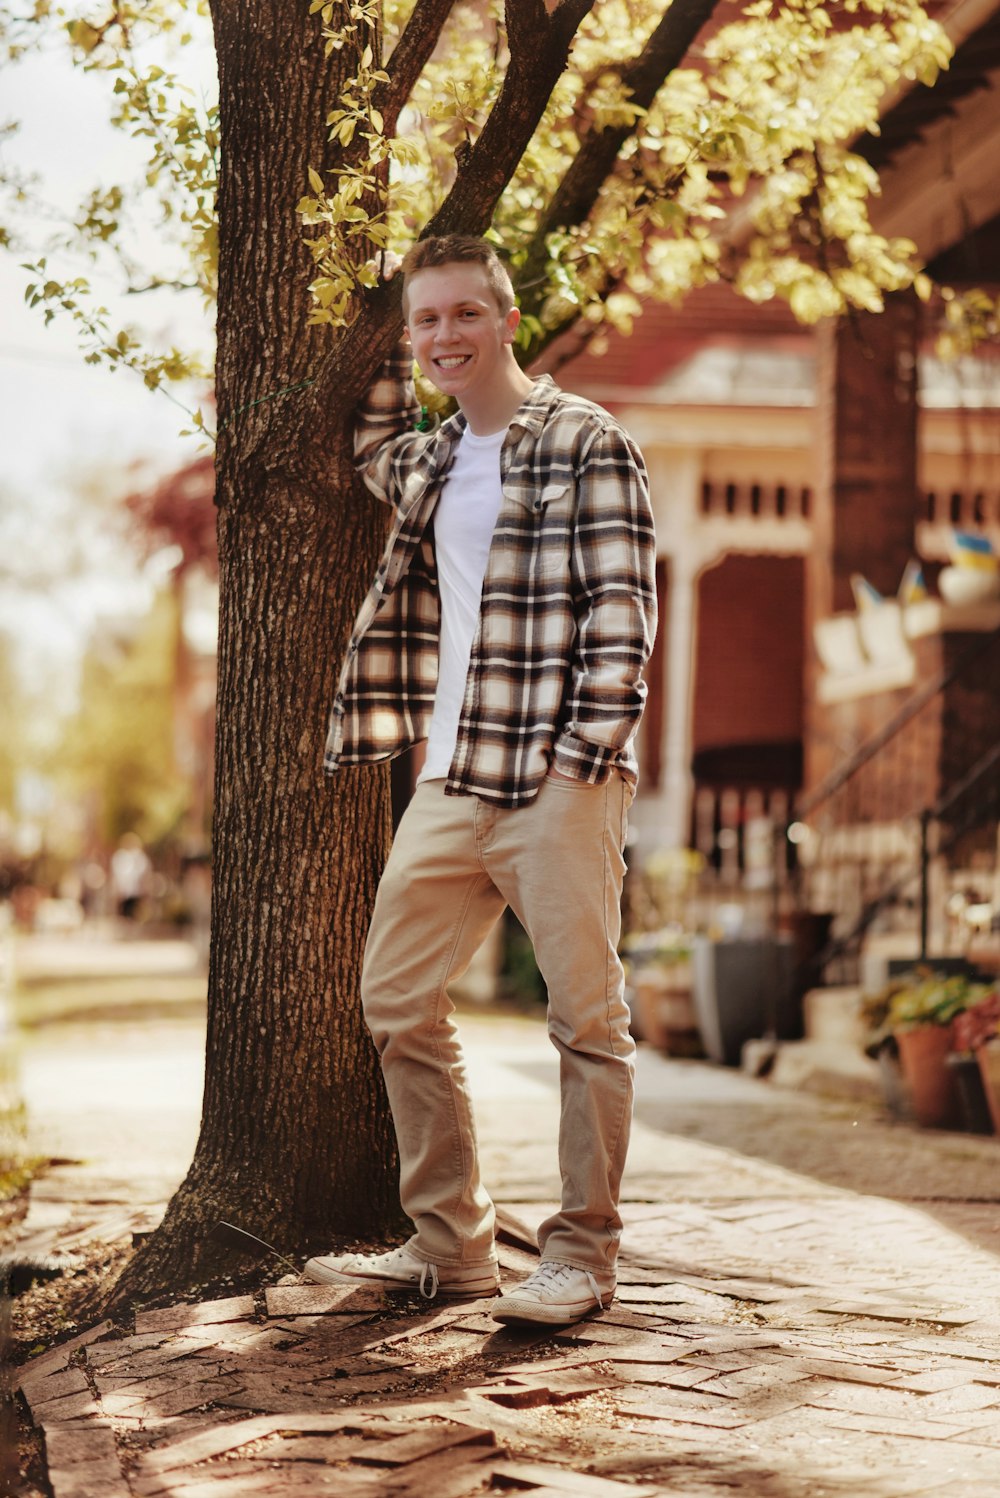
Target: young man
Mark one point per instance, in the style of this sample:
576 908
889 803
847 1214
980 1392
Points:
508 625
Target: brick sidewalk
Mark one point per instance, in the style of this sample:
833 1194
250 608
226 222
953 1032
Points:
866 1361
774 1335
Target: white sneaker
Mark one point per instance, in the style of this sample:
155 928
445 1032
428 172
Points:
554 1294
401 1269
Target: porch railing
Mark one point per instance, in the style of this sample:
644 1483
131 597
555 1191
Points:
868 838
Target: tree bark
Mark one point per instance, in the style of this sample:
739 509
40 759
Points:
296 1142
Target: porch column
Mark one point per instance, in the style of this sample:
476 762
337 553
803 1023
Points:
865 509
675 487
678 663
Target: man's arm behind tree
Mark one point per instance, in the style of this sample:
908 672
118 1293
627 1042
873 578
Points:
389 411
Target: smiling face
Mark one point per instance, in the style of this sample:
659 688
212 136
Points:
461 337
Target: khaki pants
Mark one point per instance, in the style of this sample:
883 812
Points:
455 863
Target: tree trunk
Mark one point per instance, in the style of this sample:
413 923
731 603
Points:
296 1141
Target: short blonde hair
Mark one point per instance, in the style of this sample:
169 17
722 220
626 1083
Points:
461 249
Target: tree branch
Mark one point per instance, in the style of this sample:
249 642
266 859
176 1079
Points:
575 332
159 284
409 56
539 46
594 161
566 18
522 17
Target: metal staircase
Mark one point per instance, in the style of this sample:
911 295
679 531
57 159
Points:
879 843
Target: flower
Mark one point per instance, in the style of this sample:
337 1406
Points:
977 1024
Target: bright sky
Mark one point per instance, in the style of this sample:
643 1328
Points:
60 416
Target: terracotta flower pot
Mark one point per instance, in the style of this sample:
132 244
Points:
972 1099
988 1056
666 1009
923 1055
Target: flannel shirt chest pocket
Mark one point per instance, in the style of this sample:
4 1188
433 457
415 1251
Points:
554 537
542 529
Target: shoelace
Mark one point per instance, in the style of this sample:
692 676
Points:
428 1282
429 1273
551 1273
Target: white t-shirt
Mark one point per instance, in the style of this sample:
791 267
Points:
464 522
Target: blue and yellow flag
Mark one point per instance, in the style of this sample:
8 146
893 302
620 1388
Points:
913 584
970 550
866 595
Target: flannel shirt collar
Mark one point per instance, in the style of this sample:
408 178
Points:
531 414
533 411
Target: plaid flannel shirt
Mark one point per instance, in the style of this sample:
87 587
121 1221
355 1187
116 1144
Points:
568 609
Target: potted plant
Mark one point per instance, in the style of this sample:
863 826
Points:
920 1017
881 1045
976 1034
659 970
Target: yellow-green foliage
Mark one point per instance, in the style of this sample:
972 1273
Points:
756 136
121 743
781 95
179 136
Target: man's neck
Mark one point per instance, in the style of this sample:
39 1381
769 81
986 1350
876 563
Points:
493 409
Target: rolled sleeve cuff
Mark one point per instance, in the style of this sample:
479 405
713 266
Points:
399 365
591 763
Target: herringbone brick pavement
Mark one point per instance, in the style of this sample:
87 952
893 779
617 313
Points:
774 1336
838 1345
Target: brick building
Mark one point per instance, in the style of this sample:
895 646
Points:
784 459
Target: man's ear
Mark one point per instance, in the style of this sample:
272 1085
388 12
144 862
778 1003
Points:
511 322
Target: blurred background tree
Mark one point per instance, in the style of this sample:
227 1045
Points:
119 746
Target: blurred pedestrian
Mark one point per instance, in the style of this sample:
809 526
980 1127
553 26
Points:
130 871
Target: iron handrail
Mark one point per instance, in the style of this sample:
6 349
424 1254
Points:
837 946
909 710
